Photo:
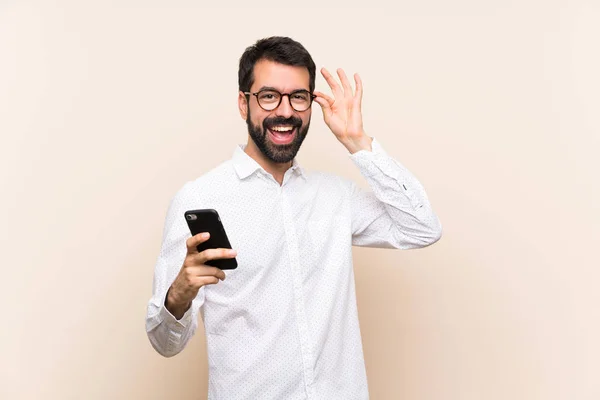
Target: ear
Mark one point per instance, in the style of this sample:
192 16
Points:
243 105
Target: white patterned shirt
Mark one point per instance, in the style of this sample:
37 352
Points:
284 324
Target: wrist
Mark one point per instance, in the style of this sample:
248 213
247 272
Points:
361 143
175 304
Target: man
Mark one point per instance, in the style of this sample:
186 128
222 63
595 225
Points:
284 324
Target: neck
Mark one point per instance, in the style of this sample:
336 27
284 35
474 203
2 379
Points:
277 170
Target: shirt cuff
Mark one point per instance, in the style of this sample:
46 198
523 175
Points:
176 324
363 159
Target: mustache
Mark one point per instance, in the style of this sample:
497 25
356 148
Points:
271 122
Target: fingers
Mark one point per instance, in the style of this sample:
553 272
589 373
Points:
194 264
205 280
189 280
326 102
204 271
347 91
329 99
195 240
194 274
335 87
325 106
359 91
214 254
345 83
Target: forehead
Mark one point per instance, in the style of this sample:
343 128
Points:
279 76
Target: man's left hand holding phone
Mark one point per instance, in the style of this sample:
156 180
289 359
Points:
194 274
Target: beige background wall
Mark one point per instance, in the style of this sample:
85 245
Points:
107 108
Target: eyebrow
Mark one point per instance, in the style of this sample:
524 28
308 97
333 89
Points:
272 88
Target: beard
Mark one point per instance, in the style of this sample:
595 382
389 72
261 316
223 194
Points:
278 153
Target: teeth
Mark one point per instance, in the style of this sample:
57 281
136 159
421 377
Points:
282 128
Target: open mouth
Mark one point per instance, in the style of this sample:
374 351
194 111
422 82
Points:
282 134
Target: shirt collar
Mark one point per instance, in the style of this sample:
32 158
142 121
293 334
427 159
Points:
245 165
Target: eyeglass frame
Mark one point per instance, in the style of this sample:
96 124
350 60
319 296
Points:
312 97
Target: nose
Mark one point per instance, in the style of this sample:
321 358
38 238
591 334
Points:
285 107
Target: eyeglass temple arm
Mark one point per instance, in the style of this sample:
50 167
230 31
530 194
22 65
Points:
283 94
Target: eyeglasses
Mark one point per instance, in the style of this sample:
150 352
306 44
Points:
269 99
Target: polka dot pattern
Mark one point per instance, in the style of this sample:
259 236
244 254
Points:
284 324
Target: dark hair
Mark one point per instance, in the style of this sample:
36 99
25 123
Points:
283 50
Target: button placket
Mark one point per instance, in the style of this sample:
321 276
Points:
294 256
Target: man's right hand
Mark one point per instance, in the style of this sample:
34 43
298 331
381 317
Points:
194 274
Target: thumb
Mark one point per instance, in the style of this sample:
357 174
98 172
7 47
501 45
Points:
324 107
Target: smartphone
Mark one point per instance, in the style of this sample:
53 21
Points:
208 220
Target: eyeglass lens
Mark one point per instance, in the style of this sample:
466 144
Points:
270 99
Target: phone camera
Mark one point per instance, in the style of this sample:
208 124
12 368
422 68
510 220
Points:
192 217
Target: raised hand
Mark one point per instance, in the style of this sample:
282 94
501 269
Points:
342 113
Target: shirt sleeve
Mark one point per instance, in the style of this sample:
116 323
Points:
396 212
168 335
